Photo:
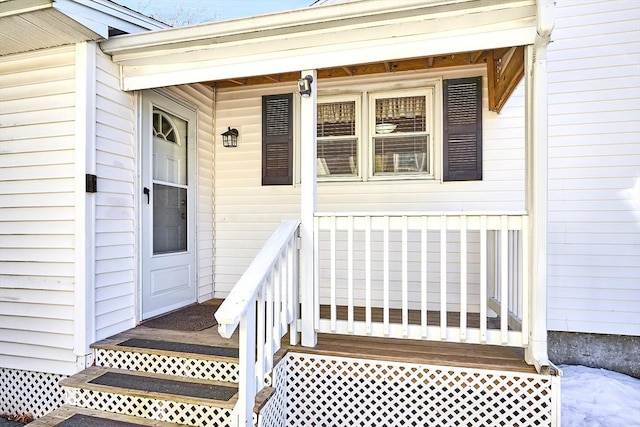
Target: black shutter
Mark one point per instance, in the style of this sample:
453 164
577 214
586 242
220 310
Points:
463 129
277 139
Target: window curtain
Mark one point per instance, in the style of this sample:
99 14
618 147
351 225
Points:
398 108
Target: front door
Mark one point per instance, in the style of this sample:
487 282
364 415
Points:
168 205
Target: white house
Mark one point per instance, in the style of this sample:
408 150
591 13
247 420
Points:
475 159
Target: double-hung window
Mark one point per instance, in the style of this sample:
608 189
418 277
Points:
338 127
401 129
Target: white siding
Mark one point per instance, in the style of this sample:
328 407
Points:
115 220
247 213
37 136
202 97
594 167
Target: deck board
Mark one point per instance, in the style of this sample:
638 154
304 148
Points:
413 351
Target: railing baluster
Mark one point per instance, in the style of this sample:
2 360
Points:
350 274
316 274
423 277
385 285
261 326
247 365
334 315
405 278
504 278
443 277
277 300
463 277
483 279
367 279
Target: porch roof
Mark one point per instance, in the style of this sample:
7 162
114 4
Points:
359 37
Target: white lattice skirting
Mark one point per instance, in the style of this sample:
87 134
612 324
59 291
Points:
335 391
169 365
151 408
27 392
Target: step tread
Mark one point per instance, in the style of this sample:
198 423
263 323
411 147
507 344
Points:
65 412
171 348
144 384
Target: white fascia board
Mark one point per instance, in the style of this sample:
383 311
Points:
340 16
144 77
99 16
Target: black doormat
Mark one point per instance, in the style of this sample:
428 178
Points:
79 420
209 350
161 385
192 318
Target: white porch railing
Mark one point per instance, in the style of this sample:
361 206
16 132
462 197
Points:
264 303
436 276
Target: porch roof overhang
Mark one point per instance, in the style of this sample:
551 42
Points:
27 25
359 37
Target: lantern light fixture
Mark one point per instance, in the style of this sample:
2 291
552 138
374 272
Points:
230 138
304 86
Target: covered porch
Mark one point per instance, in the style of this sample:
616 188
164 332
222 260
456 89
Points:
459 276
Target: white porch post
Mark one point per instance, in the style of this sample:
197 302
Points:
308 201
537 184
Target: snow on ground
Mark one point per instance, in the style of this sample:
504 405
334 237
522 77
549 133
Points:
599 398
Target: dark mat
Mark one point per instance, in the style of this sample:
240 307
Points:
181 347
161 385
79 420
192 318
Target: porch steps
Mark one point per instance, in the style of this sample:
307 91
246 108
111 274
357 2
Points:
155 380
77 416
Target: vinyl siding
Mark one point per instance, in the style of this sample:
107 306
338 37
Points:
37 213
202 98
247 212
594 168
115 219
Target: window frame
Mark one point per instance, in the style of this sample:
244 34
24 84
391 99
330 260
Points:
357 98
432 116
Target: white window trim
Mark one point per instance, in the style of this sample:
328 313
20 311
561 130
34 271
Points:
365 110
429 92
357 97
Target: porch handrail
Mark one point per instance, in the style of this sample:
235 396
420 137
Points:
263 303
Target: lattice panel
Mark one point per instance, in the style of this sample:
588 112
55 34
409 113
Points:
335 391
146 407
27 392
168 365
274 412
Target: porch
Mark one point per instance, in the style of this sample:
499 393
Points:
343 380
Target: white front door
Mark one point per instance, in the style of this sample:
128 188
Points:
168 205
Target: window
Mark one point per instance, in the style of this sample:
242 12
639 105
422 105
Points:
337 135
401 125
277 139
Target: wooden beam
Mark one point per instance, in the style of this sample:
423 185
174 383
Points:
477 56
349 71
430 62
491 80
273 79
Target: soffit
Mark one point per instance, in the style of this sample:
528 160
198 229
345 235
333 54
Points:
41 28
27 25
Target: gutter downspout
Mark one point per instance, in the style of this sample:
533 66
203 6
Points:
537 197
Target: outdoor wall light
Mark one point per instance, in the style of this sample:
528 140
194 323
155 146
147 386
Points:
304 86
230 138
